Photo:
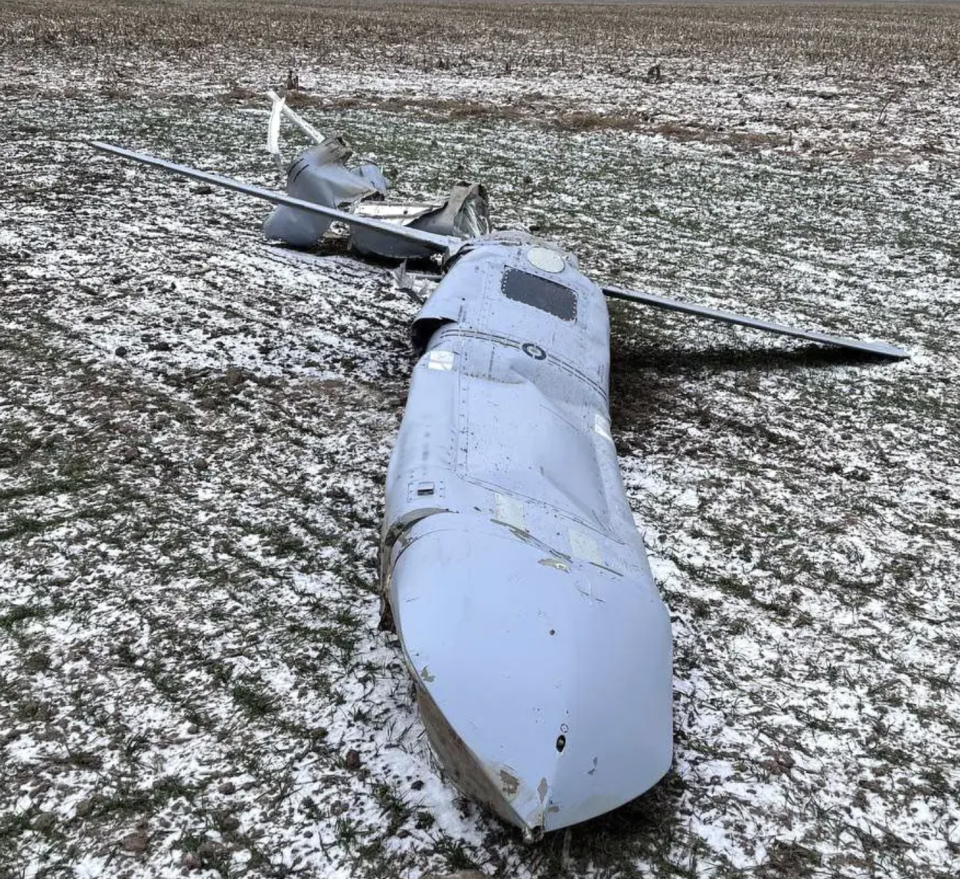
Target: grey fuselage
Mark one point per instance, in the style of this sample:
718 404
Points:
514 570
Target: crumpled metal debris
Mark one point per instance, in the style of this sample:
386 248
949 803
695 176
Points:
465 214
320 175
323 175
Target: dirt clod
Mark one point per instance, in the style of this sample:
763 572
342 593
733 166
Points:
135 843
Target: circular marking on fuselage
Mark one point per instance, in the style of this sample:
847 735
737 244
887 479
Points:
534 351
546 260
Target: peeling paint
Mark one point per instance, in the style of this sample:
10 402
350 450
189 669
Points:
542 789
555 563
509 783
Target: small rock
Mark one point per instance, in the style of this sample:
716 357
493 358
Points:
417 785
85 807
352 759
135 843
230 824
780 764
460 874
209 849
234 376
120 351
44 822
227 788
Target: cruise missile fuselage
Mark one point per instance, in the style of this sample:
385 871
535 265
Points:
515 573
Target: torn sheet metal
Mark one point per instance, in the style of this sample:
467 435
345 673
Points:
320 175
325 175
465 214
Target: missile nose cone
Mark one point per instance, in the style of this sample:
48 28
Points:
546 690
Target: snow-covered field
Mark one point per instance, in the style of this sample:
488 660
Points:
194 432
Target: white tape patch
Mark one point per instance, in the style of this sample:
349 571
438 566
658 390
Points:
442 360
510 511
583 546
601 425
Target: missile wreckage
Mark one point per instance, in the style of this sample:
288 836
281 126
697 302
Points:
511 565
326 175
